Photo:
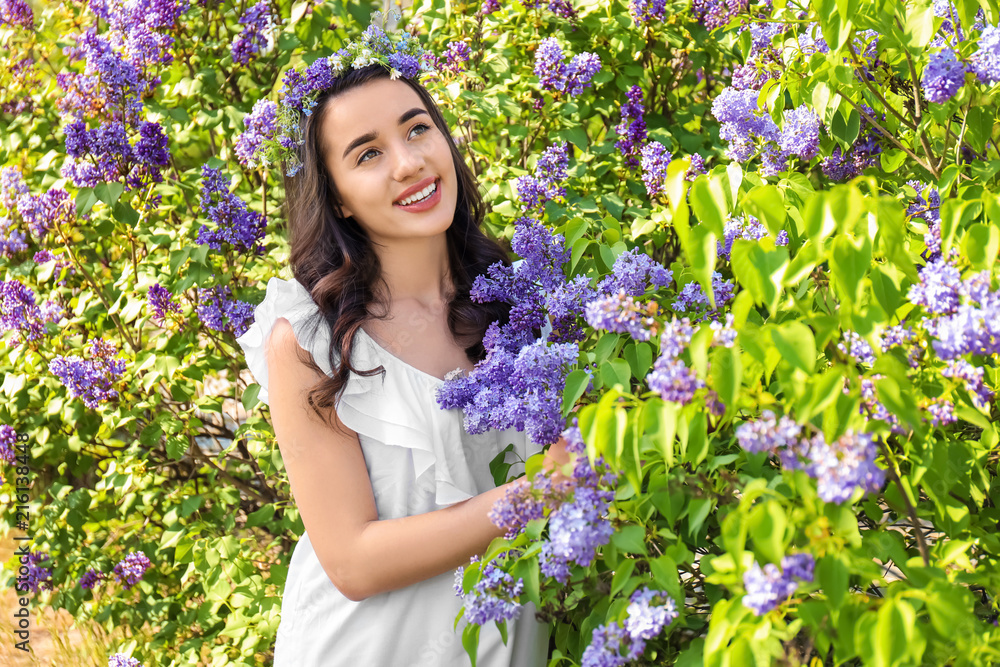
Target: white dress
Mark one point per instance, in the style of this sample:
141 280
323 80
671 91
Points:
420 458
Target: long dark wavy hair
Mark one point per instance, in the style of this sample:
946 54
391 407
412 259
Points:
335 260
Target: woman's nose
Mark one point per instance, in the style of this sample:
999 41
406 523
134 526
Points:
409 160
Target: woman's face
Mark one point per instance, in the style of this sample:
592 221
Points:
391 164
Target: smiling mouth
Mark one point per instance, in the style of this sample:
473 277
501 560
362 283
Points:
423 195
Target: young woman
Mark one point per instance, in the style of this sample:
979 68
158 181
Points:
384 224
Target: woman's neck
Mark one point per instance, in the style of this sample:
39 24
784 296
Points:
417 270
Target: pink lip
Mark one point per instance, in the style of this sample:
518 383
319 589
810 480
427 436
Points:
424 205
415 189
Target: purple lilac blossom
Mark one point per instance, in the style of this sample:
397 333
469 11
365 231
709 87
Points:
11 240
132 568
871 407
493 597
800 132
696 169
564 304
20 313
576 529
747 129
91 578
525 501
973 379
16 13
717 13
161 301
743 226
544 253
235 224
543 185
456 56
670 376
37 577
938 288
692 297
8 440
122 660
844 465
986 61
769 586
260 124
768 434
942 412
647 11
253 39
757 71
605 648
633 271
840 166
857 348
220 312
654 162
91 380
579 73
811 40
549 66
723 333
647 618
12 186
943 77
620 313
41 213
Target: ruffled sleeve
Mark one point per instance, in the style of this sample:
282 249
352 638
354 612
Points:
291 300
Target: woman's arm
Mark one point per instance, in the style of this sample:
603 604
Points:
361 554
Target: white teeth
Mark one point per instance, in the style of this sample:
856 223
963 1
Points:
423 194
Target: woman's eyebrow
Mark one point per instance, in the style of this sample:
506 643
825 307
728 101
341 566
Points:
372 136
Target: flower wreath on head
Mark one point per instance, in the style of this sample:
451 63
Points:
274 133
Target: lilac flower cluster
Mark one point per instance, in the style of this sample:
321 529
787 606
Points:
456 56
973 379
986 61
122 660
951 31
37 577
131 569
723 333
260 124
839 467
943 77
493 596
648 11
800 132
620 313
20 313
40 213
839 166
717 13
634 271
556 75
941 411
654 162
697 167
670 376
16 13
543 185
8 439
254 38
857 348
745 227
220 312
91 380
692 298
632 128
524 501
615 644
106 154
235 224
91 578
928 209
161 301
769 586
12 186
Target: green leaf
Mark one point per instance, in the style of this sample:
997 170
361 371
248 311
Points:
833 577
625 569
630 539
768 524
705 207
760 271
797 345
727 373
616 370
849 264
576 384
981 244
639 357
470 641
85 200
765 202
109 192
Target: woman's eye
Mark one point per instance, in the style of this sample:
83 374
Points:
419 126
367 152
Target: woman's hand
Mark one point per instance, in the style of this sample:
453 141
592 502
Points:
556 457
